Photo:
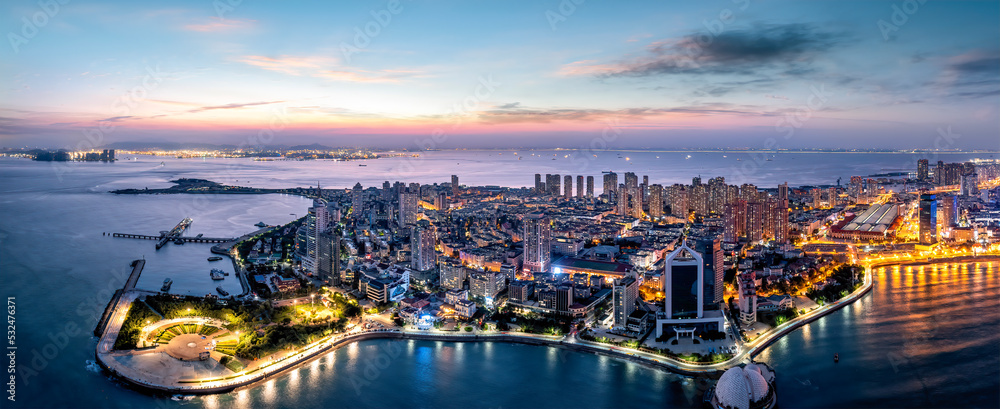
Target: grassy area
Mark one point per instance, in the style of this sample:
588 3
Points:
138 315
169 333
232 364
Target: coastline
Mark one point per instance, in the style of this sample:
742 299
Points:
654 361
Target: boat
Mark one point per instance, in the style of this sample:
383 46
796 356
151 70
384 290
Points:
222 292
214 258
217 274
167 282
261 224
836 357
362 165
178 241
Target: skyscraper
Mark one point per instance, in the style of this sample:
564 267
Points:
552 183
927 217
621 205
735 220
328 263
684 287
679 202
590 186
568 189
755 221
422 254
923 169
610 186
949 210
537 236
539 186
714 269
655 201
408 200
783 191
454 185
357 201
317 220
579 186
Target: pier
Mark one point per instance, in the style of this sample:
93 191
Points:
173 235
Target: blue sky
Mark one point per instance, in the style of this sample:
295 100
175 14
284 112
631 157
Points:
545 73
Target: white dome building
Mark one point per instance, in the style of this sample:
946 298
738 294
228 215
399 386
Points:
749 387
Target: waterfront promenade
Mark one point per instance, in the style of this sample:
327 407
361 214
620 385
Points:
256 373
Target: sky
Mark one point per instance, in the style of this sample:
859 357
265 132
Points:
584 74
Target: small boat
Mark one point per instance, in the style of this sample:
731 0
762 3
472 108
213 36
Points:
260 224
836 357
222 292
166 284
217 274
214 258
362 165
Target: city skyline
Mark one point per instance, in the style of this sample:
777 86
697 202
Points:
901 75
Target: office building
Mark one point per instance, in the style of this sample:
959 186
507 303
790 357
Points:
927 217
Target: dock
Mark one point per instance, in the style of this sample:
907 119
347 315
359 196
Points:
133 278
173 235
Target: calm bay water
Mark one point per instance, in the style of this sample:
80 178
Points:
927 339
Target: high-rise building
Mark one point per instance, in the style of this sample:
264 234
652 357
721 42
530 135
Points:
454 185
568 189
552 183
610 186
453 274
537 235
748 298
949 210
832 196
684 286
817 196
408 207
778 216
564 297
713 270
422 238
579 186
317 221
328 262
756 215
655 201
624 293
735 221
923 169
679 203
539 186
927 216
621 205
699 199
441 201
357 201
717 191
783 191
590 186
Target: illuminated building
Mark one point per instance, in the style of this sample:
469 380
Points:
928 218
923 169
748 387
579 186
590 186
357 201
408 200
568 188
624 294
610 186
486 284
453 274
537 236
454 185
684 290
656 201
422 252
328 261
